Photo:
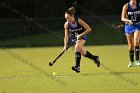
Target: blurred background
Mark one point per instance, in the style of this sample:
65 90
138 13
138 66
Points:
35 23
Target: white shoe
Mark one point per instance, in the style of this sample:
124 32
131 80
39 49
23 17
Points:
130 64
137 63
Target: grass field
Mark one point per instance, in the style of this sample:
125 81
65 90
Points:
26 70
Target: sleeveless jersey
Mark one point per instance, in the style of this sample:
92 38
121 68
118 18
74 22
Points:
134 13
75 30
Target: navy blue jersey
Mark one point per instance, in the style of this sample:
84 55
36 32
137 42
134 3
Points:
75 30
134 13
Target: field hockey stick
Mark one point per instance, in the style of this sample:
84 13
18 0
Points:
121 25
118 26
51 63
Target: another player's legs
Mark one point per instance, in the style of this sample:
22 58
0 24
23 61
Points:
130 48
131 55
136 44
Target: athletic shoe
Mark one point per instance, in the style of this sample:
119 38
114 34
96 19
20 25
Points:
76 69
130 64
137 63
97 61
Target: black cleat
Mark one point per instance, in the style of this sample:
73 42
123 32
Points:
97 61
76 69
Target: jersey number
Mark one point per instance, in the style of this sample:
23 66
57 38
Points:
134 18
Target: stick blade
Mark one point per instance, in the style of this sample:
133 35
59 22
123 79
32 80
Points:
50 64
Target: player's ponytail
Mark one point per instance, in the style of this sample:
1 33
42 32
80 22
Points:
71 11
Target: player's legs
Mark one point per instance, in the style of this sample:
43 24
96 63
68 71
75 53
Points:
136 44
80 47
133 35
130 41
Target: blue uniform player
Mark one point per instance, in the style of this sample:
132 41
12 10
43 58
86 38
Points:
77 29
131 17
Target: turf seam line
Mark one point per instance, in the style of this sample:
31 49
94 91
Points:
58 80
119 75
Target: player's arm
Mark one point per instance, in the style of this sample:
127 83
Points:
85 26
66 38
124 13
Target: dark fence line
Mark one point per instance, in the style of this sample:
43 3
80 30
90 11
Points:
20 33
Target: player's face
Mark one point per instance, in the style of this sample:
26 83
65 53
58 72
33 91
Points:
69 18
133 0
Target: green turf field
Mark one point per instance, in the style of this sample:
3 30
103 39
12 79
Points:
26 70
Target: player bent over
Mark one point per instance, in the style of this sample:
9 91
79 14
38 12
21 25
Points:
77 29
